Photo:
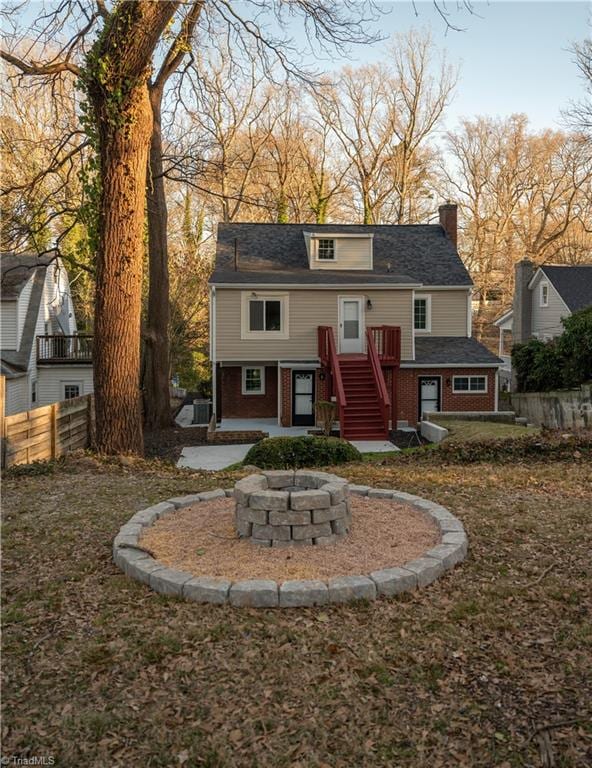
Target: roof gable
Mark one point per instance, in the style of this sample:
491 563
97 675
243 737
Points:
572 283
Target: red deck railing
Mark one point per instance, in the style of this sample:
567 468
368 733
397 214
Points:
387 340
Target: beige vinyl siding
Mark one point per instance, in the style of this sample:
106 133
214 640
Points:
308 310
51 380
8 322
351 253
449 313
546 321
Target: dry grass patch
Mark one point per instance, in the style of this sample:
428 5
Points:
99 670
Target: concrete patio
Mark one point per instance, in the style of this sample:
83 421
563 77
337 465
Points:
216 457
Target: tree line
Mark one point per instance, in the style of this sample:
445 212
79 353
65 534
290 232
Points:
186 131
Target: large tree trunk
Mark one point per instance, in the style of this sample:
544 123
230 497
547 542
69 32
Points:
117 79
157 407
124 154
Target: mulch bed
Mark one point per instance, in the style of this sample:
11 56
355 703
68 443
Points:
168 443
202 540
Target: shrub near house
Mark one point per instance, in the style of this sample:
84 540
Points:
560 363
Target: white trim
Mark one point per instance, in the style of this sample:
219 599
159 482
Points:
470 391
545 303
447 287
502 319
316 243
284 299
428 301
412 325
279 394
496 393
345 235
244 370
362 320
450 365
321 286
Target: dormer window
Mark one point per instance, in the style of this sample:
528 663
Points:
326 251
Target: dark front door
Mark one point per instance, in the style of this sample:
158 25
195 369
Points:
429 394
303 391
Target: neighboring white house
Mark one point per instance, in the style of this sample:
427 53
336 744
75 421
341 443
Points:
43 357
543 296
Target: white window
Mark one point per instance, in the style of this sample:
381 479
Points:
422 313
254 380
469 384
326 250
544 296
72 389
264 316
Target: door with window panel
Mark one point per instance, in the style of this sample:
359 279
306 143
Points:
303 393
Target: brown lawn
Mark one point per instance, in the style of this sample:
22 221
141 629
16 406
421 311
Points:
100 671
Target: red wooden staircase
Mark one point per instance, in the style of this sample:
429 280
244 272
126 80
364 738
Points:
363 417
358 384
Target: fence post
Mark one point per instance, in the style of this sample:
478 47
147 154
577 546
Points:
54 431
2 424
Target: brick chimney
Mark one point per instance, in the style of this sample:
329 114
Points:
522 320
448 220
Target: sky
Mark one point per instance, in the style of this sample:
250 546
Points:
514 56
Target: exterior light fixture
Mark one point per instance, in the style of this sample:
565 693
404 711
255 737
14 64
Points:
368 304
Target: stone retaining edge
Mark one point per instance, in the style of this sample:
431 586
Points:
138 564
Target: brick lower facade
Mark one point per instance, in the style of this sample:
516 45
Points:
405 396
235 405
407 391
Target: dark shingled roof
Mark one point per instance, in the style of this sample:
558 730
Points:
276 253
574 284
435 350
16 269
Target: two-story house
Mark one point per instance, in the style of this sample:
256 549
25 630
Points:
543 296
378 318
43 357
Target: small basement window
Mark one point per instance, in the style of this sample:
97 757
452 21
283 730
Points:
71 391
469 384
254 380
326 251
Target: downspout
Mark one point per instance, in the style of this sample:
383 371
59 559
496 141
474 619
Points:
213 350
469 313
279 394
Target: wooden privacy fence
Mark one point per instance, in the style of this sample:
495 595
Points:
47 432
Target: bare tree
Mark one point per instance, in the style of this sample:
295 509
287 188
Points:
579 115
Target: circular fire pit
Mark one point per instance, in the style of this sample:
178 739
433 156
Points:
284 508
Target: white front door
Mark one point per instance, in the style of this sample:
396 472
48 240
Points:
351 325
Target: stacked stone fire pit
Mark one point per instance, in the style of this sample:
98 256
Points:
285 508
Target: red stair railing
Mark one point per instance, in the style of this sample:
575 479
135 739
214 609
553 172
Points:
383 398
329 360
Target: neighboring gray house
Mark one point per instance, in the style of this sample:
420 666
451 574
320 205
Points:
543 296
43 358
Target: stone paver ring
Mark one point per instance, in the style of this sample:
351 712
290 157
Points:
287 508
